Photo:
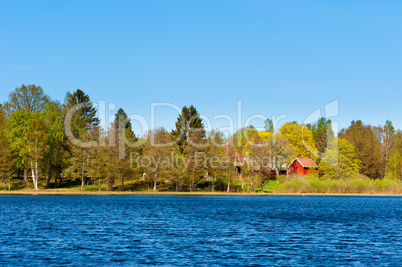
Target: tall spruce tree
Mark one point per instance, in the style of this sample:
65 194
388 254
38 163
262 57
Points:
187 124
83 112
81 119
122 131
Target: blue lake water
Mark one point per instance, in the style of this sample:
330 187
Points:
201 230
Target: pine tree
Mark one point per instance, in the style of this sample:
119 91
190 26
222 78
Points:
123 134
80 161
82 123
187 123
82 112
194 152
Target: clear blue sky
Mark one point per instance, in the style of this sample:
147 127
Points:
277 57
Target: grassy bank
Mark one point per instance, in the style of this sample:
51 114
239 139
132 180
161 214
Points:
350 186
310 185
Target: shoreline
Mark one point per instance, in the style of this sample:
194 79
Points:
113 193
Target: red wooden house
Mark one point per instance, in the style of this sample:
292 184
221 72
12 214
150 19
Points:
303 166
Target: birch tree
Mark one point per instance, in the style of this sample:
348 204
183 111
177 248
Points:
37 147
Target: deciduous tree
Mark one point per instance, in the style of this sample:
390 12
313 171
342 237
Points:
322 133
53 117
157 153
367 147
340 160
301 138
29 97
37 144
7 158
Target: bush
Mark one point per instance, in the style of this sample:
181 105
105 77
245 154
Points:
361 185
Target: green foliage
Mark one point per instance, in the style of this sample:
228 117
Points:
244 136
29 97
33 142
394 164
19 123
53 116
349 186
269 126
367 147
80 111
340 161
7 158
301 138
187 124
158 154
322 133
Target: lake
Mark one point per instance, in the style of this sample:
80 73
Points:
200 230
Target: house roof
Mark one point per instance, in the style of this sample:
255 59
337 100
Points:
305 162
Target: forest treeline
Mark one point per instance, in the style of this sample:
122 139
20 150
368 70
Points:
48 144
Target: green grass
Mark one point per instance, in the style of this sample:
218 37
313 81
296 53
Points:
284 185
344 186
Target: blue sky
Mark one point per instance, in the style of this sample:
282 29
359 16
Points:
276 57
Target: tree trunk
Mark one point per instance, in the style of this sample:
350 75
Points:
34 178
36 175
386 165
155 183
26 182
5 185
251 182
82 175
49 166
177 184
62 173
228 190
99 184
192 183
213 185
